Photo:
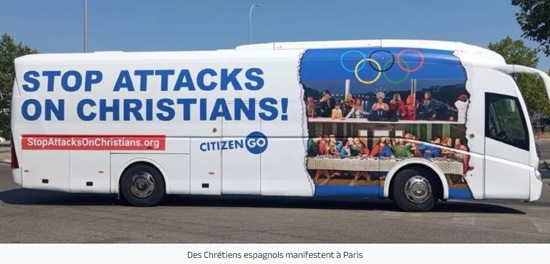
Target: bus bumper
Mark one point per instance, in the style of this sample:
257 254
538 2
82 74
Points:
536 186
17 177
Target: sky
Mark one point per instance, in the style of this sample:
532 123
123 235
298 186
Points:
54 26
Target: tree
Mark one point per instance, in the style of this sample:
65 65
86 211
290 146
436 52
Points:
8 52
534 19
531 87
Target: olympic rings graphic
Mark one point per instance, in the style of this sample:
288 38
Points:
377 75
386 68
395 59
348 52
415 68
397 81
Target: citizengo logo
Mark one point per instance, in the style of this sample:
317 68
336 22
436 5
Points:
256 143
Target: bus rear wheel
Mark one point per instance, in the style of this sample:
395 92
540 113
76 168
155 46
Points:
142 185
415 190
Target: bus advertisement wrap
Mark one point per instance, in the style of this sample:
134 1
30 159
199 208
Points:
367 110
379 107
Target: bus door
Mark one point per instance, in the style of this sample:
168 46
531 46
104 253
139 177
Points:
241 168
506 148
206 157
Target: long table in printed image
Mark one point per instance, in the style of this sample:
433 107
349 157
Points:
366 121
448 166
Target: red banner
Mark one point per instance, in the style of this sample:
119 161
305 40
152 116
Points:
94 142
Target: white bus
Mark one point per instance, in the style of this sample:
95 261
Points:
408 120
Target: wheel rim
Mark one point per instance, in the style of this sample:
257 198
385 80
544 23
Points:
143 185
418 189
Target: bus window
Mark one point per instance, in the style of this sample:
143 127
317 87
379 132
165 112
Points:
505 121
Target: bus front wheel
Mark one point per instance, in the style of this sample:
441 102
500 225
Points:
415 190
142 185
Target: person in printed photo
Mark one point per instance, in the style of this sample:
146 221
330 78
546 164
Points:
333 151
381 149
330 149
310 107
447 152
332 140
327 104
465 158
399 149
334 154
429 107
352 149
357 109
426 108
410 108
313 145
347 105
411 143
431 151
346 150
323 145
360 148
396 107
380 109
337 112
462 106
432 109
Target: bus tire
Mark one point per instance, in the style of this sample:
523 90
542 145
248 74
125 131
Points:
415 190
142 185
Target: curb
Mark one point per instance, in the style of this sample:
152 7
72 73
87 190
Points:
6 161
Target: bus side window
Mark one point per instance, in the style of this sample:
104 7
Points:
505 121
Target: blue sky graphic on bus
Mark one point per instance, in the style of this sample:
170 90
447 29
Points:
380 66
388 70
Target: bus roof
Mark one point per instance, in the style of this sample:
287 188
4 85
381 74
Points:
264 48
409 43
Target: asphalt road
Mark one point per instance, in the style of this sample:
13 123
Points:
33 216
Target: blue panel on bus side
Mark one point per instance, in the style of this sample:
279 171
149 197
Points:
463 194
375 191
389 69
344 190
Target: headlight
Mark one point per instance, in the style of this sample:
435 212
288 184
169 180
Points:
537 175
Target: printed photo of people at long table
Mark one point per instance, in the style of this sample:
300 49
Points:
369 109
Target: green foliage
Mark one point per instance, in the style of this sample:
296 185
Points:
534 19
9 50
532 87
515 52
